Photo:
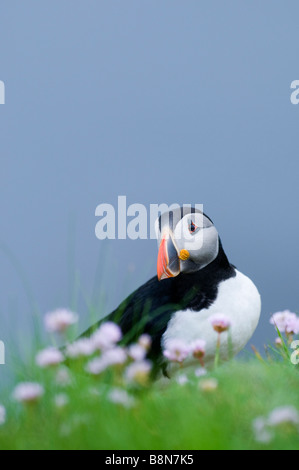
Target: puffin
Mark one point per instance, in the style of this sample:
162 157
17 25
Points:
194 281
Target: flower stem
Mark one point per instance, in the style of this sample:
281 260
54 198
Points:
230 346
217 355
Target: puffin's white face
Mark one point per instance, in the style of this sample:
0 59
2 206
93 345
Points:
188 241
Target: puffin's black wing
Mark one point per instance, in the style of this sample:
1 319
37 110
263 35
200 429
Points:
147 310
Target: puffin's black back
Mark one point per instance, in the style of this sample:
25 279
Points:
149 308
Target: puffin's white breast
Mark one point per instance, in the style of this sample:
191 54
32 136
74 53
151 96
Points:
238 299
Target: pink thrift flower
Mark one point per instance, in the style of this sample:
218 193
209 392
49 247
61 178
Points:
176 350
111 357
284 415
115 356
145 341
63 377
49 357
286 322
292 326
220 322
281 416
107 336
182 379
83 347
61 400
121 397
60 320
261 431
137 352
96 366
200 372
138 372
28 392
198 348
279 320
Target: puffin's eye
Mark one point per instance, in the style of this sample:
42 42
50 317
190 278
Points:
192 227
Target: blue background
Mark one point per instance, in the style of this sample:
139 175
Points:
169 101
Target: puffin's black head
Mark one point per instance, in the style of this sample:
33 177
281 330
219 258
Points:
188 241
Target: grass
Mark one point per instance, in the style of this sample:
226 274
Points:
164 417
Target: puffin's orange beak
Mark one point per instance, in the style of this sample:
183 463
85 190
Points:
168 264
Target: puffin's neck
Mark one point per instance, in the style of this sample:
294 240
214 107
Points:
220 266
221 262
203 284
